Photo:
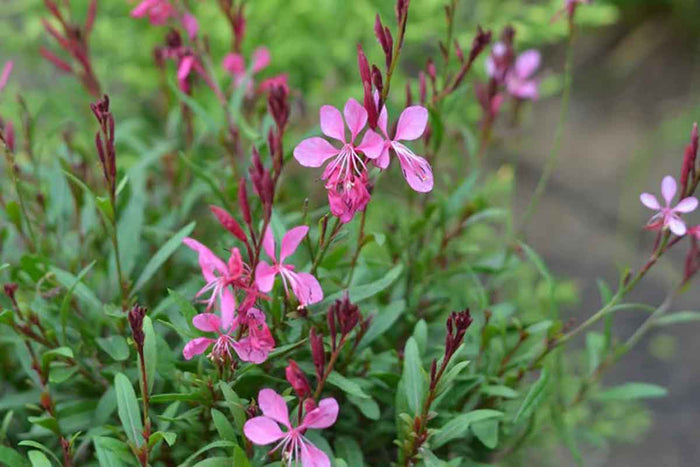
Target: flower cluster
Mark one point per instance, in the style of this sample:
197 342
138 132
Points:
227 279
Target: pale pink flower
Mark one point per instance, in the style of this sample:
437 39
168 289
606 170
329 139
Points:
667 216
416 170
346 174
519 81
189 22
158 11
498 62
220 277
235 65
305 286
5 75
253 348
295 446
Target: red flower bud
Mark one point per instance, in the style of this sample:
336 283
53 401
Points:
297 380
229 223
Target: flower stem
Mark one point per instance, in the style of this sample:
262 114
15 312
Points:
558 135
360 244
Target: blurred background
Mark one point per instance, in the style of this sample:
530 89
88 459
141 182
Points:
635 96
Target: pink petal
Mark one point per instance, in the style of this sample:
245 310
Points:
185 67
273 406
416 170
228 309
255 315
668 189
262 430
261 59
355 117
291 241
275 81
248 351
5 76
490 67
269 243
142 8
264 276
190 24
313 152
382 121
527 63
412 123
311 456
196 346
322 416
207 322
383 160
677 226
332 123
372 145
687 205
306 288
234 64
649 201
208 261
523 89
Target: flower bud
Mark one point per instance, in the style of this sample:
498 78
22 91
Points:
136 315
297 380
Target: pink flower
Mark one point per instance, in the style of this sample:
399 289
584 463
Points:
253 348
416 170
519 80
305 286
158 11
220 276
189 22
498 62
667 216
265 429
5 75
235 65
346 175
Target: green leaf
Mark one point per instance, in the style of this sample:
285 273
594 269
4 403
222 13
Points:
223 426
457 426
678 317
629 391
128 409
534 396
450 375
38 459
363 292
162 256
367 406
149 352
65 304
7 317
51 355
349 450
168 436
486 431
41 447
217 462
382 321
346 385
111 452
500 391
115 346
595 347
83 292
235 405
240 459
10 457
214 445
413 376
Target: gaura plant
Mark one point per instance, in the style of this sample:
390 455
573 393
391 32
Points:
399 318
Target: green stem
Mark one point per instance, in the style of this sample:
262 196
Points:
558 135
12 169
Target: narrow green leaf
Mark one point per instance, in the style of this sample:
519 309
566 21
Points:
223 426
367 406
10 457
115 346
38 459
162 256
111 452
346 385
41 447
65 304
382 321
168 436
413 376
534 396
128 409
349 450
629 391
149 351
457 427
214 445
486 431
